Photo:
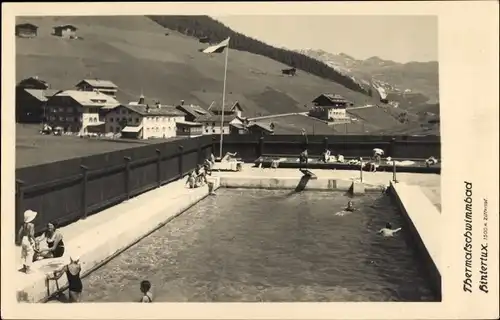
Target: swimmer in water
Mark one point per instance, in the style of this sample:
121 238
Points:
147 296
350 208
388 231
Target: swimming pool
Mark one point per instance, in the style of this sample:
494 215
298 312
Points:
262 245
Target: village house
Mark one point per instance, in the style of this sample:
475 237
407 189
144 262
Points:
189 129
31 104
66 31
331 108
260 129
79 111
139 120
237 128
191 111
26 30
103 86
230 108
31 98
212 123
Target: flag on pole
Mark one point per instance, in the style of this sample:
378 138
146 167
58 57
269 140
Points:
218 48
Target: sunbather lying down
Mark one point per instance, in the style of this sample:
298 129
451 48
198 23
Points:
228 156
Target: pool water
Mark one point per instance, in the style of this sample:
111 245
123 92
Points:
273 246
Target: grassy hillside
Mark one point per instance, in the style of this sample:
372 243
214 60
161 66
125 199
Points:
204 27
136 54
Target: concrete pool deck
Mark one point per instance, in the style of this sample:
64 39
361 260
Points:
132 220
423 221
102 236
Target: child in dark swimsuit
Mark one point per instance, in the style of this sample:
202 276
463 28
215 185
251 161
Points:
72 271
147 296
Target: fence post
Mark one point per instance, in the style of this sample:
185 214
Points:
394 171
261 147
213 146
181 161
361 169
158 167
325 143
84 191
127 177
392 147
19 205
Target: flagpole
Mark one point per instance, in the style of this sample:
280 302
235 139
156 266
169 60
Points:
223 103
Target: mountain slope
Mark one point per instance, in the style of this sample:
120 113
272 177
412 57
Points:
135 53
419 77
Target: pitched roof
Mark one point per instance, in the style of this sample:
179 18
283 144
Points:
332 97
192 110
145 110
215 118
228 106
265 126
90 98
238 125
27 25
66 26
41 95
98 83
36 79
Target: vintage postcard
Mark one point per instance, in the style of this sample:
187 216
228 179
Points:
250 160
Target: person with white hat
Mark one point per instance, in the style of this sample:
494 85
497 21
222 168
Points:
27 238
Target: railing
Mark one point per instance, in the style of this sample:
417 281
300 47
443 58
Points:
66 191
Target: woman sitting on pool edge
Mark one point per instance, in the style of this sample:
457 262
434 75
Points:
55 244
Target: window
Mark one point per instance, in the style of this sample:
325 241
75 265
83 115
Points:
69 119
156 119
111 129
136 120
110 119
61 109
95 119
163 129
163 119
61 118
122 111
157 129
69 110
130 119
213 124
117 130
